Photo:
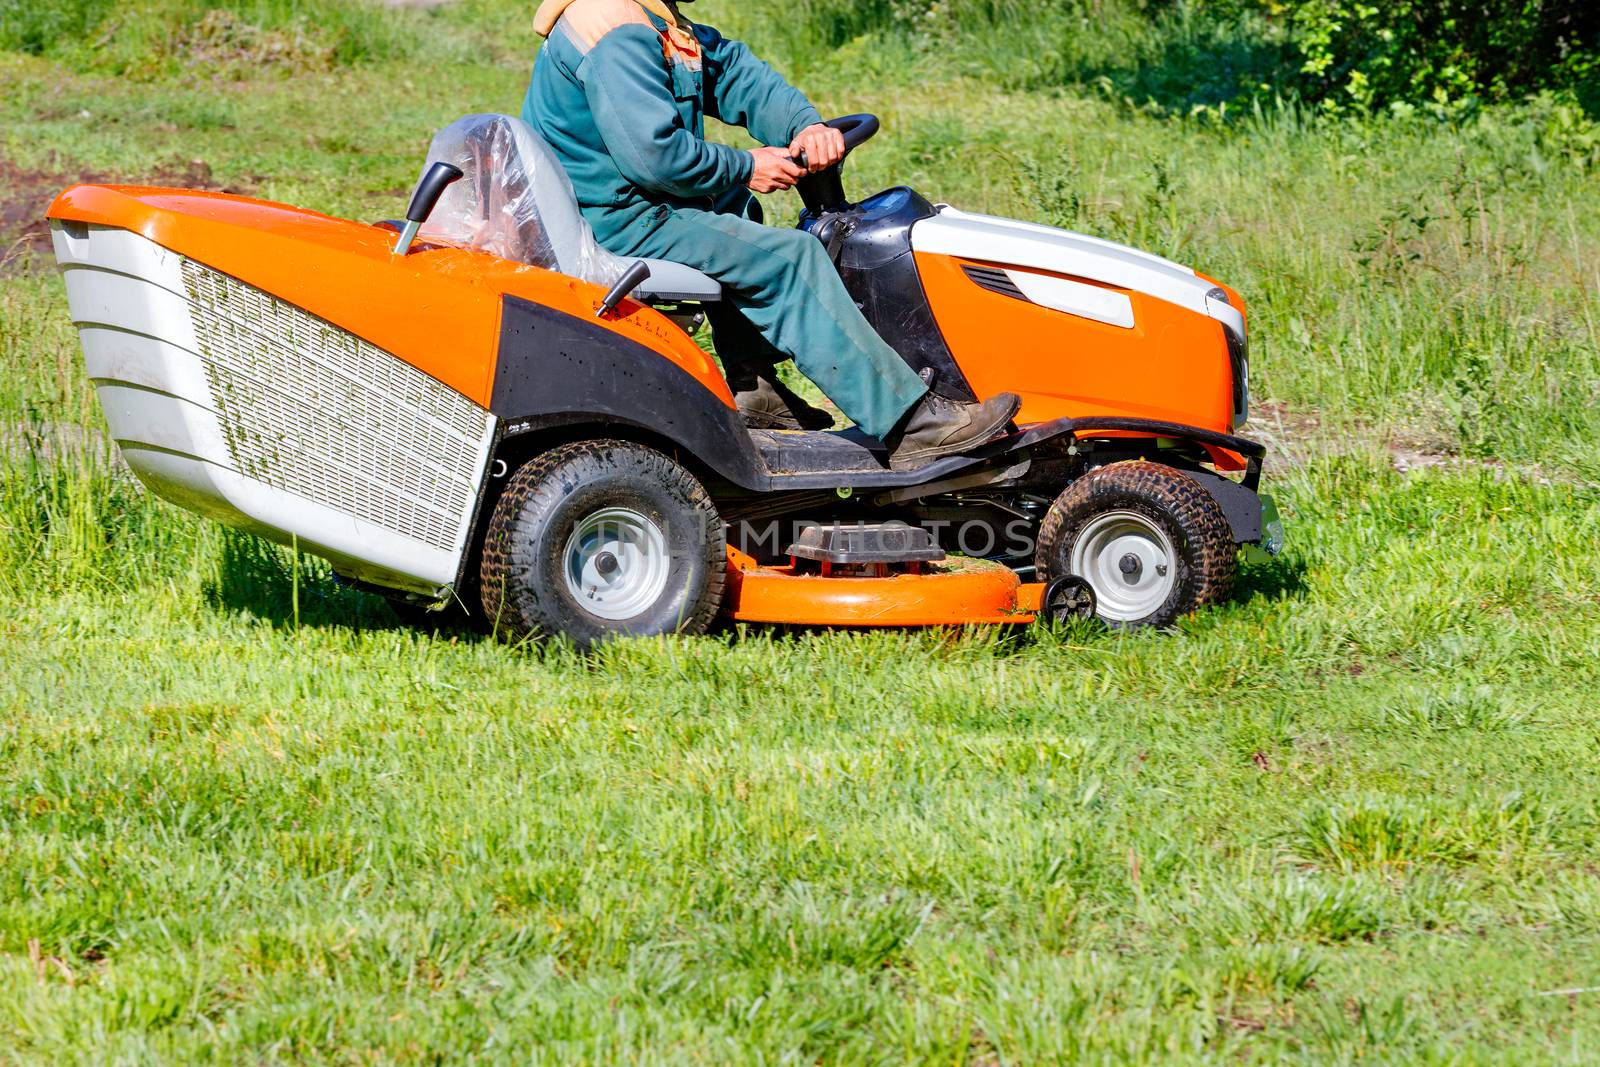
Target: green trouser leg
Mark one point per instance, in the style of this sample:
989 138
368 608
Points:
746 355
783 284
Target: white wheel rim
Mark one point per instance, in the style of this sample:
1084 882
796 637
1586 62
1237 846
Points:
617 564
1130 562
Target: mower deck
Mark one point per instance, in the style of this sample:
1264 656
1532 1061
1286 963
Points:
952 593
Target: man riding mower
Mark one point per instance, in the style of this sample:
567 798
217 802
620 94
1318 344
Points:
483 406
651 185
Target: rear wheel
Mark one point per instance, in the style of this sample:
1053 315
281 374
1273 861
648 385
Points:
1150 541
602 539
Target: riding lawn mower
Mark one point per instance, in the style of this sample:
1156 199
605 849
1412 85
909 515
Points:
477 406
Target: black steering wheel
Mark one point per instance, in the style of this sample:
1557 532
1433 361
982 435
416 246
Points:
823 192
857 130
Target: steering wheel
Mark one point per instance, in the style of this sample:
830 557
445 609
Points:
823 192
857 130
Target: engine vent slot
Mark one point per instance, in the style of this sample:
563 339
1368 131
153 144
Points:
310 409
995 280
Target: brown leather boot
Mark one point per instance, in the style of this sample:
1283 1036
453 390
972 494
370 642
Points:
937 427
768 404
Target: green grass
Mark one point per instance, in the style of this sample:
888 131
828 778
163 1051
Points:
167 38
244 815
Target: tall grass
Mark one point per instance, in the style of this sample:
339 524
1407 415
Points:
230 837
1173 58
169 36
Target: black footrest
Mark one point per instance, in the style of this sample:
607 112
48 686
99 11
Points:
889 542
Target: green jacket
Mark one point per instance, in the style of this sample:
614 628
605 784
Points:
623 104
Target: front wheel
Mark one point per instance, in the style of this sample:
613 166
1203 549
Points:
1151 541
602 539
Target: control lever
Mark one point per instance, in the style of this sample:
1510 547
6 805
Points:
832 231
631 279
440 177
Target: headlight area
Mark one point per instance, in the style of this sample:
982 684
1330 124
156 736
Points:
1239 362
1222 307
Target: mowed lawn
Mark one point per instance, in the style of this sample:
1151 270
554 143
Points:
245 815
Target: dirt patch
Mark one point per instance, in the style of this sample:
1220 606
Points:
25 195
1294 436
1297 437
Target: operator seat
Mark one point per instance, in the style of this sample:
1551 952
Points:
516 201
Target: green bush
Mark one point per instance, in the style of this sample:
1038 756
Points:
1183 54
1440 51
32 26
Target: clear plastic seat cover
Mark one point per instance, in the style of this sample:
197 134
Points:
516 201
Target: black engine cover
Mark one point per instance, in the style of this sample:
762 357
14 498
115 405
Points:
873 243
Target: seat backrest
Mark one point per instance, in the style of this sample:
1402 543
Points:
514 200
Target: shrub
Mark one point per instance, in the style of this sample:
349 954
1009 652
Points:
32 26
1344 54
1420 51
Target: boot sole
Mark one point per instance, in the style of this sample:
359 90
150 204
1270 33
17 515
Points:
923 456
768 422
774 422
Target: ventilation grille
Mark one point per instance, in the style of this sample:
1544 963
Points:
312 410
995 280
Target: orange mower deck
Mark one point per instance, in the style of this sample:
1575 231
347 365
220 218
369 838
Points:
953 593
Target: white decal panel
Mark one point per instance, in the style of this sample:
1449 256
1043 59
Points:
1075 298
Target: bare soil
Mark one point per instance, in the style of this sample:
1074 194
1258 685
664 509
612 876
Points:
25 195
1294 437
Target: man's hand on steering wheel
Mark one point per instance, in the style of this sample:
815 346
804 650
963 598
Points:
774 171
823 147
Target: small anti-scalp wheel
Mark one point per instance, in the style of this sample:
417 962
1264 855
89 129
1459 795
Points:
1066 598
602 539
1149 539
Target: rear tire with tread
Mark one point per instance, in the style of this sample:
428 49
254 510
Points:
557 500
1175 511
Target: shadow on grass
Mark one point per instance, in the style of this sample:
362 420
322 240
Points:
1278 579
256 577
1177 65
1001 640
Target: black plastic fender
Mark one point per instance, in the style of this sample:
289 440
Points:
1242 506
557 369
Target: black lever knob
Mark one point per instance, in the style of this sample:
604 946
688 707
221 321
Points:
634 277
440 177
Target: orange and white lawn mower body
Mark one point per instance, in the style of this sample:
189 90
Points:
289 373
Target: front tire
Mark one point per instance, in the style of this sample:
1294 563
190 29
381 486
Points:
1150 540
602 539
